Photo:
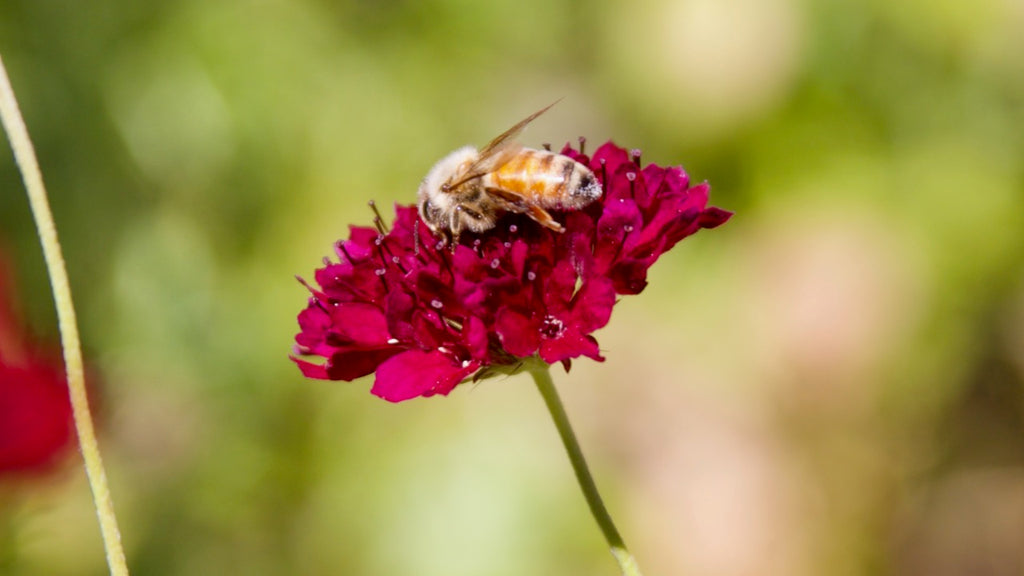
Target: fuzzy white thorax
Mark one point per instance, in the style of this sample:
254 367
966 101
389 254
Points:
440 173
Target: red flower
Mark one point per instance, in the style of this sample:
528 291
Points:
35 411
401 304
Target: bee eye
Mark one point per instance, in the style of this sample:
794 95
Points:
428 211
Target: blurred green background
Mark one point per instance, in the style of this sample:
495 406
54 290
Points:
829 384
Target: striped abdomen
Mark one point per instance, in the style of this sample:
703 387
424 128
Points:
546 179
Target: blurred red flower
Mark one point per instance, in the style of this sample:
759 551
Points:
424 318
36 426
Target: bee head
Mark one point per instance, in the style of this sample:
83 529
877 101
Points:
433 198
446 171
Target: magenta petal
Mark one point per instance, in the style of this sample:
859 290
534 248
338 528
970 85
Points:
621 220
571 152
314 322
310 370
629 276
437 293
517 255
343 283
429 329
571 344
400 306
559 286
678 217
35 414
360 244
360 323
714 217
608 159
592 305
518 333
475 333
675 180
404 227
347 364
418 373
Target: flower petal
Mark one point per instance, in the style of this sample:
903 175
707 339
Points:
629 276
609 159
35 416
347 364
569 345
620 220
592 305
475 332
518 333
418 373
714 217
360 323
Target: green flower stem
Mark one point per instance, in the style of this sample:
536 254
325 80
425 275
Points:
542 377
25 157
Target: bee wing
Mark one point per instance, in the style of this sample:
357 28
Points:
500 150
494 159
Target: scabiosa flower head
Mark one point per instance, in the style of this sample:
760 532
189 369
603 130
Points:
35 411
424 317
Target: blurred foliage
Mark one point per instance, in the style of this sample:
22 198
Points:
831 383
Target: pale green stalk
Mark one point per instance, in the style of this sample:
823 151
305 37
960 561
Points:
542 377
25 157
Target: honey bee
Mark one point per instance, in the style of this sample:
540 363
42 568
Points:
470 189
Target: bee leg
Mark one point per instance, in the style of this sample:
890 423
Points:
514 203
541 216
508 201
455 228
446 238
